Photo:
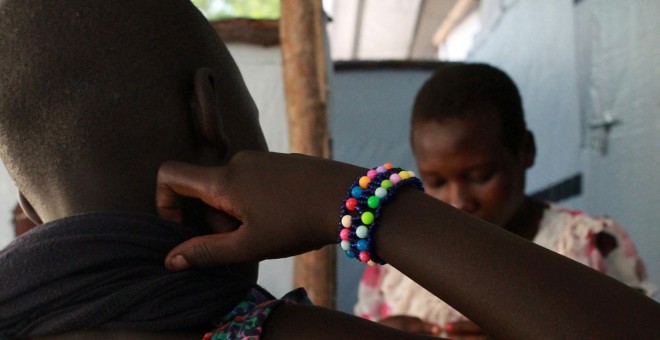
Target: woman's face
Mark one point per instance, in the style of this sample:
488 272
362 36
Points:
463 162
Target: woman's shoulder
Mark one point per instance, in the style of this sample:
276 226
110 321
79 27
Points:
596 241
576 222
579 235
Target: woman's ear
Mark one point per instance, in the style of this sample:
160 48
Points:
29 210
206 113
528 149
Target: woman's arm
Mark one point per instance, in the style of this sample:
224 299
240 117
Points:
288 204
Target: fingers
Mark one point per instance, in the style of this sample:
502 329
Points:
177 179
464 329
425 328
206 251
411 324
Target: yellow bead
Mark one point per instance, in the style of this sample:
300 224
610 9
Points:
371 263
404 174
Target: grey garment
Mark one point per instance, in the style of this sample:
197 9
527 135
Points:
105 271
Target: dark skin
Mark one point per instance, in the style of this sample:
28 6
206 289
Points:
205 97
126 86
465 163
500 287
214 121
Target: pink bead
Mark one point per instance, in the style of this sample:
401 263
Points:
343 234
364 256
381 169
372 173
395 179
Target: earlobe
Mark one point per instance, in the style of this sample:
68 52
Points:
206 113
28 209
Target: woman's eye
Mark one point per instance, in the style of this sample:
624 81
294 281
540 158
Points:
480 178
434 183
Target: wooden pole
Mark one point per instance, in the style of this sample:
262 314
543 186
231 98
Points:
302 39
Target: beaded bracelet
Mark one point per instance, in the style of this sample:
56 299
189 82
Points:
363 205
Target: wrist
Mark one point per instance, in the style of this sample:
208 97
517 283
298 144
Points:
367 197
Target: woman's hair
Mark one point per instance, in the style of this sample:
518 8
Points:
462 90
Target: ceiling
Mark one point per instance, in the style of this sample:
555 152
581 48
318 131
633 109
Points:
391 29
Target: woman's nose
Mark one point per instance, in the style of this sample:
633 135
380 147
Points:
460 197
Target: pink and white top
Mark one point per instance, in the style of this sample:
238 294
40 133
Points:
599 243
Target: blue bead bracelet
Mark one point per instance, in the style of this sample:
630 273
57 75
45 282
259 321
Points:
363 205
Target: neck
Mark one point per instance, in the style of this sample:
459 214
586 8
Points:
525 222
96 194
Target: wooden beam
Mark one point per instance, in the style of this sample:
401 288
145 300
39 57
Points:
431 15
460 10
302 40
249 31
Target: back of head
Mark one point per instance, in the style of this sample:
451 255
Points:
463 90
96 94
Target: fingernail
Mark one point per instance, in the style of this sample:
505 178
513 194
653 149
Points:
449 327
435 330
179 262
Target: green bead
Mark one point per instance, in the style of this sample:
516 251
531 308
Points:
367 218
386 184
373 202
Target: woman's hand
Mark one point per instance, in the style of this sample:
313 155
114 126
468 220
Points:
411 324
270 194
465 329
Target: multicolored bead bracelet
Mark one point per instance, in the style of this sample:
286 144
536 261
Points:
362 206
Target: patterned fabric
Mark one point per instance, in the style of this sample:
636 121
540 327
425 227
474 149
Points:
599 243
248 317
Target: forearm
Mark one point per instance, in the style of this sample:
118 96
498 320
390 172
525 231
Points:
511 287
289 204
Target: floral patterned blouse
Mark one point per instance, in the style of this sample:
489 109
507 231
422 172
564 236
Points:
599 243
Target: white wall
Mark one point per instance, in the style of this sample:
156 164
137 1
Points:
572 62
533 41
7 202
619 74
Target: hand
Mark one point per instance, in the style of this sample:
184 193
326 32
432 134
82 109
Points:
411 324
268 193
465 329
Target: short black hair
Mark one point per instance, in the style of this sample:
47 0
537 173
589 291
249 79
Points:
459 90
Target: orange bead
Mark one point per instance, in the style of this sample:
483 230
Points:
388 166
364 181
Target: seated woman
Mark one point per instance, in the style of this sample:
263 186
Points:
473 149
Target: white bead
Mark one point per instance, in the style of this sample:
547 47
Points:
362 231
381 192
346 221
345 245
411 174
